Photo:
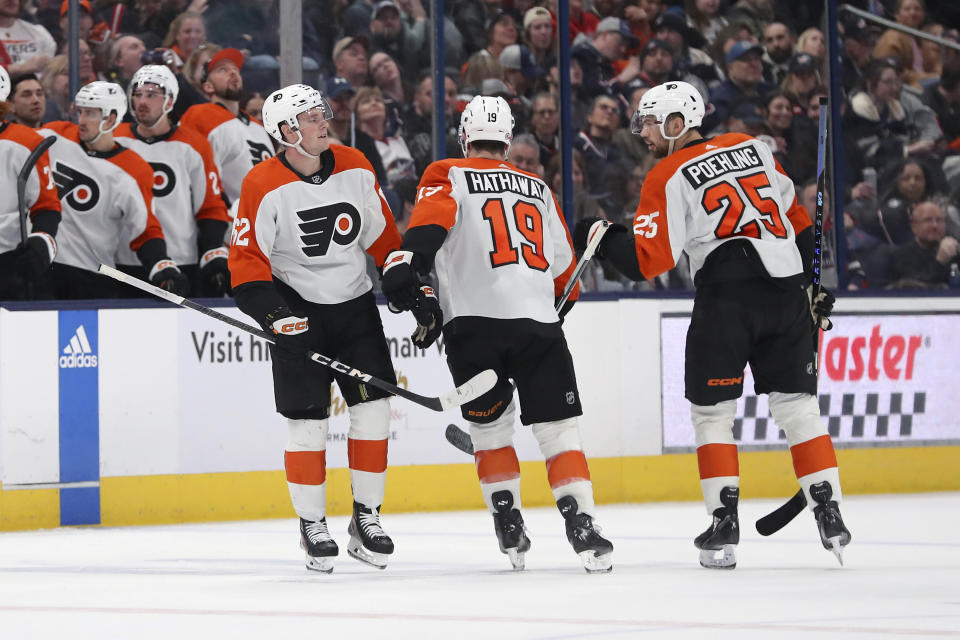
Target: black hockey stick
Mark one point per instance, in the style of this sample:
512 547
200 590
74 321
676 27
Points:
460 438
472 388
22 178
780 517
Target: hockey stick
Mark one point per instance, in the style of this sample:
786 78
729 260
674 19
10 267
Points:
782 515
472 388
460 438
22 178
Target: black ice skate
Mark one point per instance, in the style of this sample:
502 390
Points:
595 551
508 525
718 544
833 534
321 549
368 542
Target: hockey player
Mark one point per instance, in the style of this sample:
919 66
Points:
186 184
106 194
297 266
502 255
24 262
239 142
729 205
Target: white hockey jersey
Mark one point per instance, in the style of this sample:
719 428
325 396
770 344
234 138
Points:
16 143
310 232
704 195
239 142
106 196
507 253
186 187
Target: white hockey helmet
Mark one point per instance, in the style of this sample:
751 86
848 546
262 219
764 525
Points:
668 98
160 75
106 96
4 84
284 105
486 118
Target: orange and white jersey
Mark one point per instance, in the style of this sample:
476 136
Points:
507 253
724 188
186 187
106 196
310 232
16 143
239 142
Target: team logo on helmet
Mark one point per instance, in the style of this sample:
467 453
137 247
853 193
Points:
164 180
339 223
78 190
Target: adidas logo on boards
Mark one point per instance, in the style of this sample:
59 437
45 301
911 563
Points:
78 354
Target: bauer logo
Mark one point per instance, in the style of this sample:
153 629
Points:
78 353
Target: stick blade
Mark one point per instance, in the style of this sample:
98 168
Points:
782 515
459 439
469 390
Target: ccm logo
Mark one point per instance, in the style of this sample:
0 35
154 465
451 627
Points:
294 327
724 382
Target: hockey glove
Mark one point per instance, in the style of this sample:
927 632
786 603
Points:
166 275
429 318
34 257
291 333
581 235
821 306
400 284
214 274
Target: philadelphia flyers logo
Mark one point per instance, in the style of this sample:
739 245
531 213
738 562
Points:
78 190
259 151
338 222
164 180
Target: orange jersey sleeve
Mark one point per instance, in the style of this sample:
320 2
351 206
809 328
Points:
47 199
651 232
435 203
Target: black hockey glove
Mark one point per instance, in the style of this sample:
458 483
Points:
399 283
166 275
581 234
291 334
821 306
429 318
34 257
214 273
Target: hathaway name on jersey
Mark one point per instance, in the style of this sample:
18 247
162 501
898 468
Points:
500 181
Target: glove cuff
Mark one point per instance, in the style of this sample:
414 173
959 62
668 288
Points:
212 254
397 257
428 292
48 240
282 321
165 263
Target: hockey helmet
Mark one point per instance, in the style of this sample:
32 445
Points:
668 98
158 74
284 105
486 118
4 84
106 96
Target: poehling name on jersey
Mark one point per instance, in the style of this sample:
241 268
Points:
720 163
500 181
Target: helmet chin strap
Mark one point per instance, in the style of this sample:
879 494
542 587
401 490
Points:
298 146
101 130
672 139
162 116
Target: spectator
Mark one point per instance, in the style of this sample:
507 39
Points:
520 70
538 34
123 58
252 103
944 98
193 68
690 64
583 204
350 58
87 73
581 21
596 141
402 178
704 17
403 40
923 262
778 45
356 19
471 19
386 77
84 21
858 42
545 125
744 81
906 48
632 148
795 137
579 93
801 81
501 33
186 33
755 14
811 41
56 89
746 117
656 62
27 102
340 94
479 67
525 154
418 122
27 46
596 58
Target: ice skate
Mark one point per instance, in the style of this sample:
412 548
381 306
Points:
320 548
368 542
718 544
595 551
508 525
833 534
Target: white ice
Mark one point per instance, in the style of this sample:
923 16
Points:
447 579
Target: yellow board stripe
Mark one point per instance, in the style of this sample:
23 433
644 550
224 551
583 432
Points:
263 494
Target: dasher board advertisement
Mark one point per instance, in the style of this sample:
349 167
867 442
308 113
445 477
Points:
884 380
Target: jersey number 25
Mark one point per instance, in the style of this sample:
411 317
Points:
724 196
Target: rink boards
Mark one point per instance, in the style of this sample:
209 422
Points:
158 415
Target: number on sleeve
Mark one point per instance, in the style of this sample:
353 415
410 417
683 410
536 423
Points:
238 236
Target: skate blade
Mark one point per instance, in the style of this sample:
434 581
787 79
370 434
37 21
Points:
517 558
836 549
593 563
357 551
725 558
323 564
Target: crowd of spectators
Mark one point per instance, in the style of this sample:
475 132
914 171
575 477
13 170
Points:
761 66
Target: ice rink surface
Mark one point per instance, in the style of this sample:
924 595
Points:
448 579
